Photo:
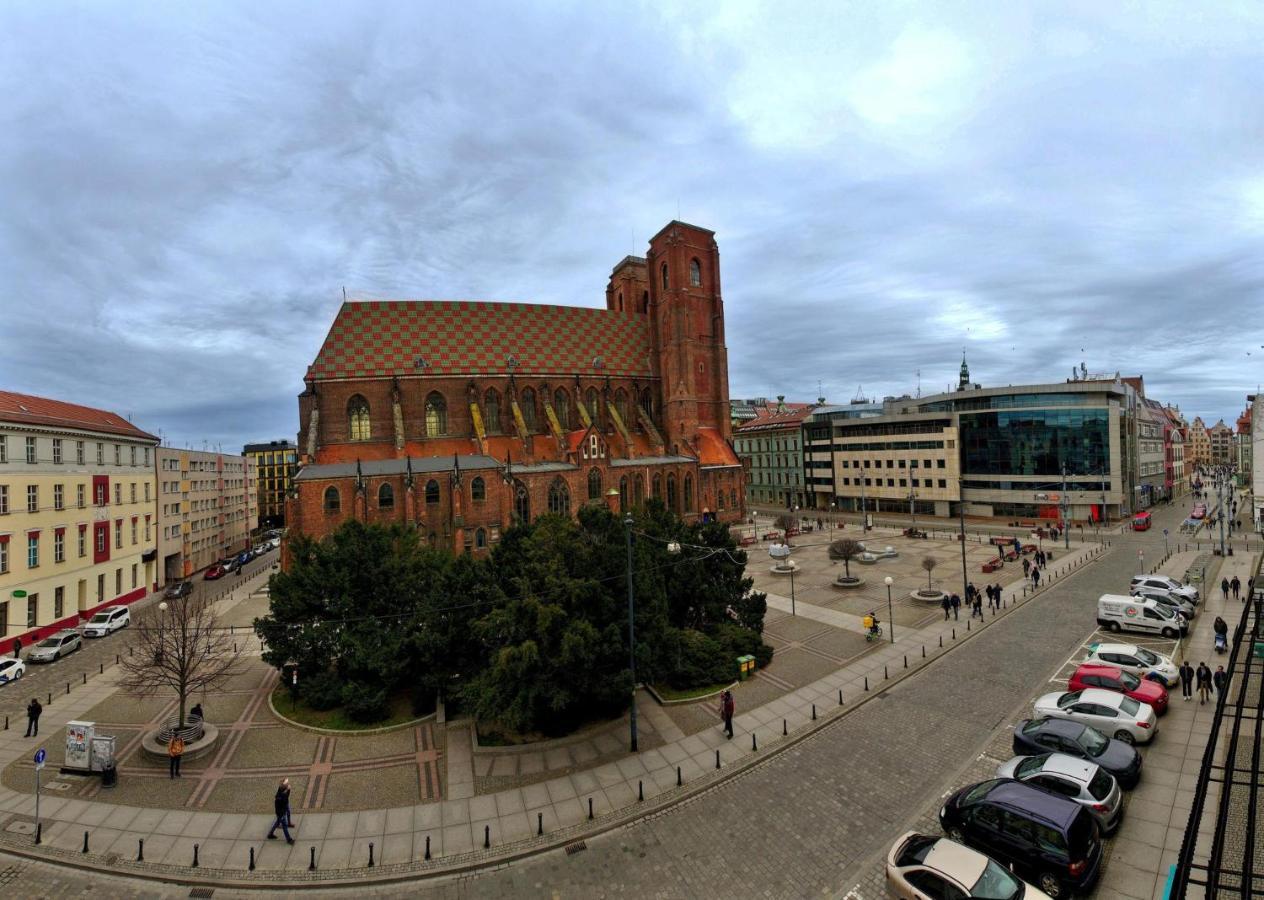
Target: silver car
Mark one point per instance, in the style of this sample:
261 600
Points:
1163 584
55 646
1177 604
1082 781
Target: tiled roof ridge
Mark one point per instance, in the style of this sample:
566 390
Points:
34 410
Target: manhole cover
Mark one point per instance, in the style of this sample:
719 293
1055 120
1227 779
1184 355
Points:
202 892
575 847
20 828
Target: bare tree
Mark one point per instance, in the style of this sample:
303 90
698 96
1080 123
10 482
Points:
185 651
929 563
785 522
845 550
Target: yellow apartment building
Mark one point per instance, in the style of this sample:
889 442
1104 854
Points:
207 509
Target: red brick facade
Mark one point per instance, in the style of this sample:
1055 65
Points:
459 416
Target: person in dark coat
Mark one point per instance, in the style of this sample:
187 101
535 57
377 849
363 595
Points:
1026 567
1035 577
1220 679
33 710
1187 680
17 648
1224 587
727 708
996 589
947 605
1220 626
1236 585
976 608
281 806
956 607
1203 677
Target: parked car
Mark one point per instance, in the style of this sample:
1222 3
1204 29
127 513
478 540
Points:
213 571
1111 678
1138 660
1118 715
260 549
178 590
55 646
922 865
107 621
1043 735
1116 612
1174 603
230 564
11 669
1087 783
1051 839
275 543
1164 583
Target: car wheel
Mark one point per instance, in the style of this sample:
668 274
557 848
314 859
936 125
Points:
17 675
1050 884
1124 736
955 834
57 656
1169 633
1114 626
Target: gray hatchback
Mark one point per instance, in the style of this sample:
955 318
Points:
1088 784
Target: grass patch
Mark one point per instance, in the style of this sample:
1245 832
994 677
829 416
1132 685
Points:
670 693
400 708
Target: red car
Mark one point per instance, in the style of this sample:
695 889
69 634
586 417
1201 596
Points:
1092 675
215 571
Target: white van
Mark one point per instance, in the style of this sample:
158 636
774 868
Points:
1117 612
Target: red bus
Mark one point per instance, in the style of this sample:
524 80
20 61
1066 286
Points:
1141 522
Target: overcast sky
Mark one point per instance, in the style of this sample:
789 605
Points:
185 189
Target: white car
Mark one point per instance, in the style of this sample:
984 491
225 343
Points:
872 556
11 670
921 866
107 621
1138 660
1165 584
1085 782
1113 714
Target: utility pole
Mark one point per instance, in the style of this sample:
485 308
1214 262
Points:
1066 511
1220 491
627 530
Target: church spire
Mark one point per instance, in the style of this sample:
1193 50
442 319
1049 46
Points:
964 382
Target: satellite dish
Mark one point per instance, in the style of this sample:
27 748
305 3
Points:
779 551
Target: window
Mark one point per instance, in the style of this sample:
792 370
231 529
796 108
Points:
32 610
118 493
146 457
688 492
102 535
562 407
32 551
480 539
79 495
133 576
385 497
333 501
133 492
59 548
436 415
695 273
133 455
99 493
59 602
146 491
32 498
623 494
57 451
663 272
118 535
527 405
100 453
591 401
478 490
4 453
30 449
656 487
522 502
594 484
559 498
133 531
491 411
118 582
4 565
146 529
4 499
432 492
621 404
358 426
118 454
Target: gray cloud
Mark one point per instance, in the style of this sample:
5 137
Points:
186 191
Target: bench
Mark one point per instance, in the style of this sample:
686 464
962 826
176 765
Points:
993 564
1000 541
748 540
773 536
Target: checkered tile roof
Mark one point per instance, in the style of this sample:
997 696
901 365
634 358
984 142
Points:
386 337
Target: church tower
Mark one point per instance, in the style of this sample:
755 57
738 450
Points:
687 330
963 384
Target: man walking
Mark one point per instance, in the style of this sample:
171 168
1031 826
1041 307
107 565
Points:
956 606
1026 567
175 750
281 806
976 609
1187 680
1224 588
947 605
33 710
1236 585
1220 679
987 589
996 589
727 707
1203 677
1035 577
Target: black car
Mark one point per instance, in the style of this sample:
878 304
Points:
1051 840
1035 736
178 590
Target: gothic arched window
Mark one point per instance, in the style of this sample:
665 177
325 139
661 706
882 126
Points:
695 273
333 502
638 492
688 493
432 491
671 494
478 489
559 498
657 487
480 539
522 502
621 404
436 415
664 274
358 418
562 406
594 484
491 411
620 301
386 497
647 403
591 401
527 405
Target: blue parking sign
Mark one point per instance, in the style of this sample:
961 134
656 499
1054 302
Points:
40 755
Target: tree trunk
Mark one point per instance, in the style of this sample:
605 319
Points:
847 567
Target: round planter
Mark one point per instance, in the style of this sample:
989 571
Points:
784 568
928 596
156 749
844 584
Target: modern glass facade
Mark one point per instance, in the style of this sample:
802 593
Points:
1036 442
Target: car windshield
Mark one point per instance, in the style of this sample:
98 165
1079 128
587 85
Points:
101 617
1093 742
1147 657
50 642
1030 765
1067 699
978 791
1129 681
1129 706
915 850
996 884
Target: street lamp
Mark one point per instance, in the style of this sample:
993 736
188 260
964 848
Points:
162 631
890 615
627 531
781 552
912 498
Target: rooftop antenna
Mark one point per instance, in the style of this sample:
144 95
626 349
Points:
344 293
919 383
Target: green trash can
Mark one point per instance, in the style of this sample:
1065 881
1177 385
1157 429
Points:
745 667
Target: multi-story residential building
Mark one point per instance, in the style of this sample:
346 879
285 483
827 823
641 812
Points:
771 450
1221 438
1242 447
274 463
748 410
1154 477
207 509
1257 462
76 514
1174 440
1199 455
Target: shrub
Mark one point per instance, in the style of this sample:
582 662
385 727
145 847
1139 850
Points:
321 691
423 700
699 660
738 641
364 702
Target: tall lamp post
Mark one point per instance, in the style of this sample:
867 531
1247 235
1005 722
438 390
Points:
627 531
961 535
864 516
912 499
1066 511
890 616
1221 494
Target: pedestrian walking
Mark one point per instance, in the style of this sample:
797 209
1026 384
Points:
33 710
987 589
1203 678
972 593
17 648
947 605
977 608
1026 567
956 607
727 707
1187 680
1035 577
1220 679
1224 588
281 806
1236 585
175 750
996 589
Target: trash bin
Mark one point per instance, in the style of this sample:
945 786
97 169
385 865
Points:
745 667
109 776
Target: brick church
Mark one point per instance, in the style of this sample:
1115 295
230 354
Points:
464 417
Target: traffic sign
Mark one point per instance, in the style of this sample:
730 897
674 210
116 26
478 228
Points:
40 755
1165 532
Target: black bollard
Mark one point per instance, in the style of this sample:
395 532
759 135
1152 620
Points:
487 836
39 832
866 682
539 823
67 687
640 790
923 651
814 712
101 669
140 850
371 854
954 633
116 659
590 814
195 856
967 624
906 660
234 646
252 859
885 674
311 866
679 780
840 697
785 730
754 745
85 677
6 723
717 765
85 842
941 642
50 696
427 856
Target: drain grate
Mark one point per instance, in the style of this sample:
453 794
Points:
574 848
202 892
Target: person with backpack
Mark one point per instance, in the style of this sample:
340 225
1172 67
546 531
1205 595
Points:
1203 676
175 750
